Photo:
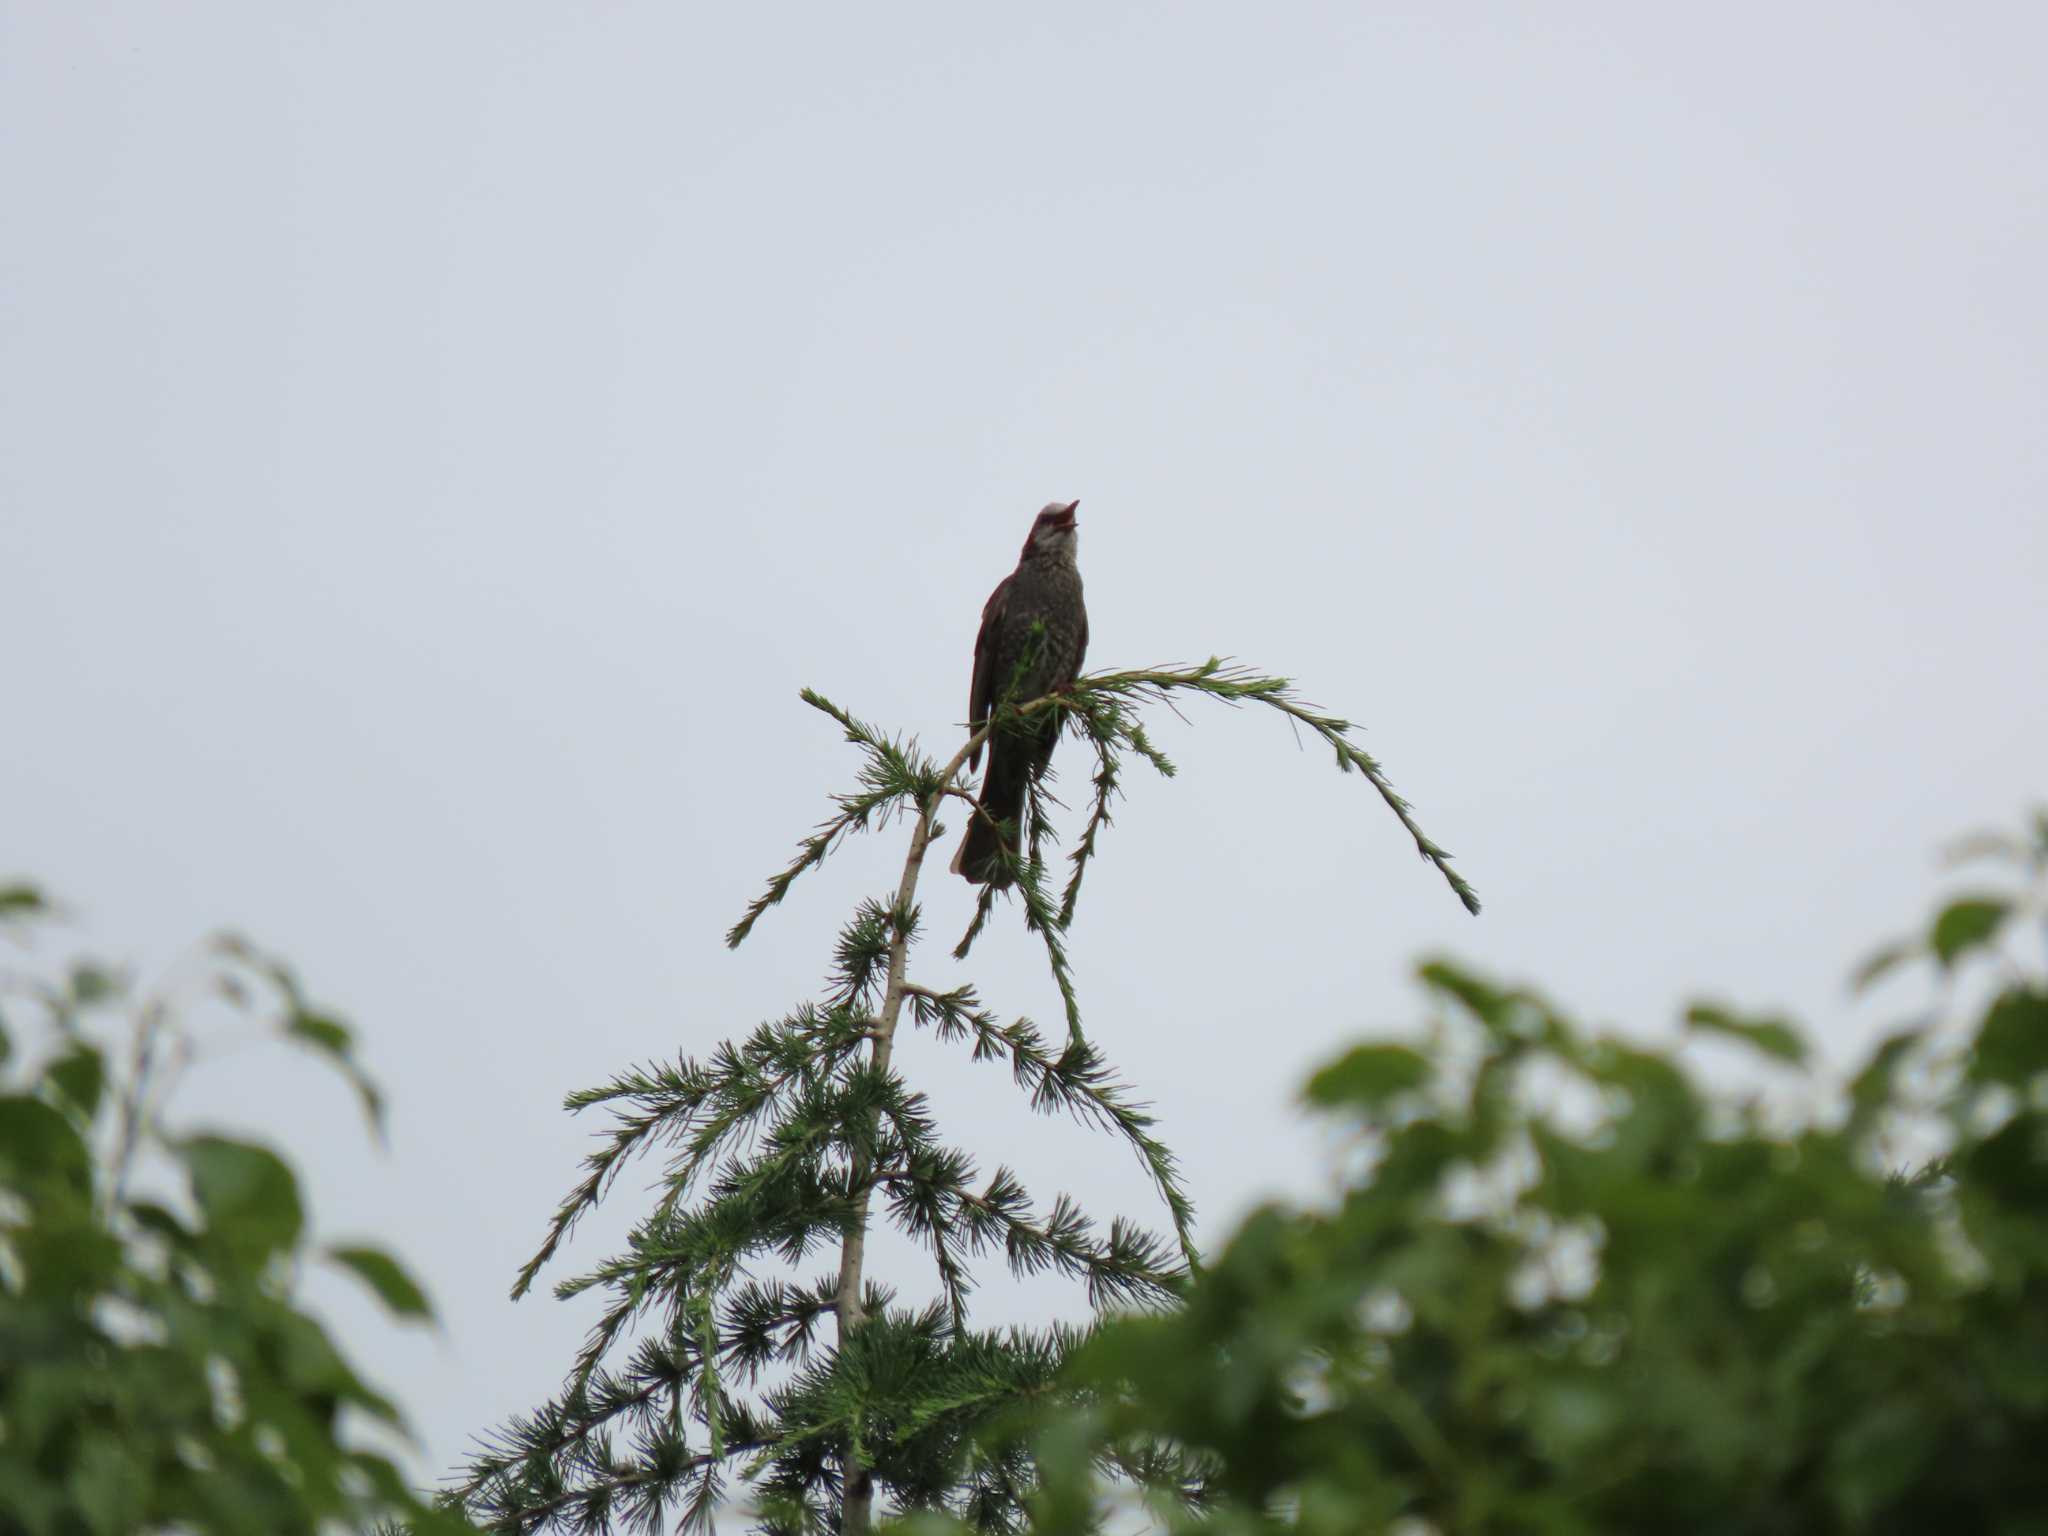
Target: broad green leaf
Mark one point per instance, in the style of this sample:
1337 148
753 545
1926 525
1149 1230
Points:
2012 1042
387 1277
20 901
1487 1003
159 1219
1774 1037
2013 1164
334 1040
36 1142
323 1033
1872 1089
1368 1075
308 1362
249 1194
1663 1110
1965 925
80 1075
92 984
1881 963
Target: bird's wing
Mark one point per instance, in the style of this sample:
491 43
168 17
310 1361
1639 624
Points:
1081 650
981 692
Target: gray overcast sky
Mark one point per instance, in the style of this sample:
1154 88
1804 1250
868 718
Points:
438 440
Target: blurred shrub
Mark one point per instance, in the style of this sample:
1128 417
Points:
155 1372
1568 1287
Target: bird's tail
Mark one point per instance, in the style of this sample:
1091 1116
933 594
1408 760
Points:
1002 801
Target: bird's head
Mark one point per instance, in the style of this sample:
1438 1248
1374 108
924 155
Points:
1053 534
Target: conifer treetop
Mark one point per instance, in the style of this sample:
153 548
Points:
707 1365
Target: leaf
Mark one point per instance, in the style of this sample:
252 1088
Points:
334 1040
1872 1089
2012 1042
321 1032
383 1274
166 1223
2013 1164
249 1194
91 984
1965 925
307 1360
1774 1037
1369 1075
37 1142
1882 963
80 1075
1486 1003
20 901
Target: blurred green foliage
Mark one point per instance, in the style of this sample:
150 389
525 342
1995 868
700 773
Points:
1569 1285
156 1373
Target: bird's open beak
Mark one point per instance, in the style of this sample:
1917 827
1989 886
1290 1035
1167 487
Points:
1067 514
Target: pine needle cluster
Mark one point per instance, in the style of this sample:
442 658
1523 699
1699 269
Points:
709 1376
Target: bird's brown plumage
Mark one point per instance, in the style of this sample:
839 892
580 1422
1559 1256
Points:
1045 589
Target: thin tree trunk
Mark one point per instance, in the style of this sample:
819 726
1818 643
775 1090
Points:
856 1505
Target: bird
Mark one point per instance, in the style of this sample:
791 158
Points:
1044 589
